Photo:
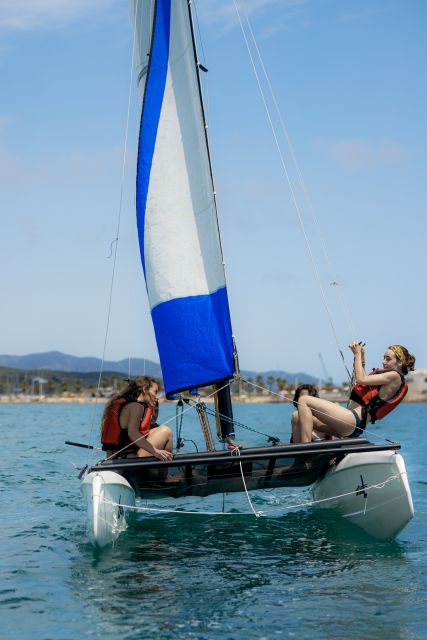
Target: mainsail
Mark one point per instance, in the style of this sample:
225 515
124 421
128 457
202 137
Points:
176 210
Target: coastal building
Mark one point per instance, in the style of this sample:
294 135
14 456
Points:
417 384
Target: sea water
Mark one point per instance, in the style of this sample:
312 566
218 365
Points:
302 573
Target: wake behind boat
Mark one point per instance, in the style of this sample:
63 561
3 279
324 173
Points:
184 270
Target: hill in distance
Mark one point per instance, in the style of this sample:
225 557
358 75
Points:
57 361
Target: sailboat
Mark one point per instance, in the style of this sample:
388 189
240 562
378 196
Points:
182 260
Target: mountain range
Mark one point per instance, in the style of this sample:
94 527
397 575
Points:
57 361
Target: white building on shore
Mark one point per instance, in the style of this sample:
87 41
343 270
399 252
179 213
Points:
417 383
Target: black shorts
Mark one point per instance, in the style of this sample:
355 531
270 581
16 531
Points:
360 425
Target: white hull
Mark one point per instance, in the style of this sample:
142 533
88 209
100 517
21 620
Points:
104 492
378 494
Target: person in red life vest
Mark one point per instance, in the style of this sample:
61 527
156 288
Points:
372 397
129 427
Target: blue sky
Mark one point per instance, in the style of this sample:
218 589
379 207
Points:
349 77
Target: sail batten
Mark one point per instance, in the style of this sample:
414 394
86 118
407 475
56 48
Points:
176 210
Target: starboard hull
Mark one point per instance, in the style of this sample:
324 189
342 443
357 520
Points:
370 490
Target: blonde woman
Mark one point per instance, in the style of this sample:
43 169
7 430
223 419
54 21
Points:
372 397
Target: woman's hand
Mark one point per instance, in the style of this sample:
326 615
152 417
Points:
357 348
162 454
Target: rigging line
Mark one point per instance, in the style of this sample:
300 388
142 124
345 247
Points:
236 451
232 421
134 248
292 191
259 514
183 512
194 3
206 80
118 217
310 503
301 179
289 399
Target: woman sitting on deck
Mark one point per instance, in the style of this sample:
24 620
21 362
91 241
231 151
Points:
372 397
129 427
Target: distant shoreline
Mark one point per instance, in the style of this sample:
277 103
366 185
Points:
253 399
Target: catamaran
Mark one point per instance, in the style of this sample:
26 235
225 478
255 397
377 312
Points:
182 260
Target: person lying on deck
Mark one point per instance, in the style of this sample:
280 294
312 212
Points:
129 427
372 397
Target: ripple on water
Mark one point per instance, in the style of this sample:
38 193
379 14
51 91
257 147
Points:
302 573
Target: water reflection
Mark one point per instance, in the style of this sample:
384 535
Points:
304 574
187 573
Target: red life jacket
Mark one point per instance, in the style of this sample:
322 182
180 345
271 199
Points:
112 435
374 406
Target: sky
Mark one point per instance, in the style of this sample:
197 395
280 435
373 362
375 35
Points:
349 79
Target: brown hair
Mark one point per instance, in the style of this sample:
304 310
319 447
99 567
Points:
406 359
312 391
137 388
144 383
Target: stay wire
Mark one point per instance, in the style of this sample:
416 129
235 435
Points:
115 242
334 279
293 195
236 423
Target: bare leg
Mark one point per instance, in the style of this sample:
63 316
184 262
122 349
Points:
295 426
317 424
334 419
160 437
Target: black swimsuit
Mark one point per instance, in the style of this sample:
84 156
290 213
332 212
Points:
360 424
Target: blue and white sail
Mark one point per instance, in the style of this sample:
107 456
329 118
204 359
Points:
176 210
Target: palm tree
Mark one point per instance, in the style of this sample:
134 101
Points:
260 383
281 384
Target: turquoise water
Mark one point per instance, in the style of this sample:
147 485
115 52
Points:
303 574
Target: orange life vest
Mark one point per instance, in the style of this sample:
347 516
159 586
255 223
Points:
374 406
112 435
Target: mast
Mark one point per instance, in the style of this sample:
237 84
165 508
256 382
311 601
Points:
223 404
